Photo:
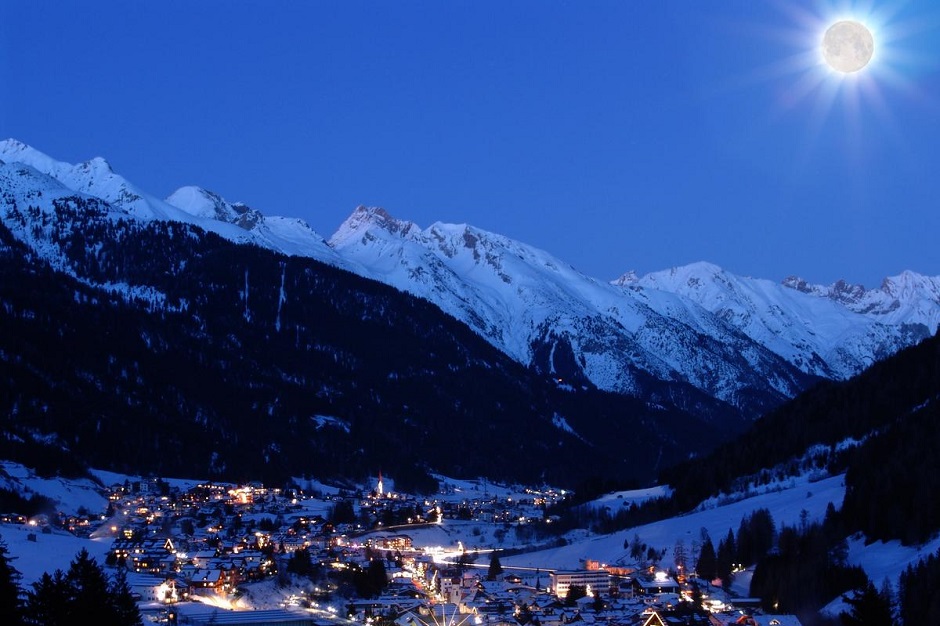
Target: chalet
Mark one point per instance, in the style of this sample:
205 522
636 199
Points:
150 555
150 588
206 580
289 542
202 558
660 583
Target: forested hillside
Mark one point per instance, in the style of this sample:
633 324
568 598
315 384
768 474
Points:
161 348
876 425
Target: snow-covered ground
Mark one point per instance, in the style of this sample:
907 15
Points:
35 552
624 499
46 552
786 506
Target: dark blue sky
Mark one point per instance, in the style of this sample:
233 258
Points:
617 135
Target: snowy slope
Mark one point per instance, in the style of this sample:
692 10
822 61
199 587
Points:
291 236
879 560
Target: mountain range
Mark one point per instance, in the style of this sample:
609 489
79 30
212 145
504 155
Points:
587 358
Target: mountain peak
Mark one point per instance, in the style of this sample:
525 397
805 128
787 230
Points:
97 166
365 219
197 201
12 145
908 297
693 276
798 284
840 291
909 282
15 151
626 279
207 204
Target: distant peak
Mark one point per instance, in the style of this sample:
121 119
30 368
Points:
840 291
700 267
97 165
844 290
627 278
191 193
364 218
693 274
19 152
208 204
796 283
15 150
375 211
909 283
12 144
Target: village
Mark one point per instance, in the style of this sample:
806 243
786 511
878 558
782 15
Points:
219 553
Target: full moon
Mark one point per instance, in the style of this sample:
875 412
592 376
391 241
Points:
848 46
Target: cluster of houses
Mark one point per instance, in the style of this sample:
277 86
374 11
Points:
212 540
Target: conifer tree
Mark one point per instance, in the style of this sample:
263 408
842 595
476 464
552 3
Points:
869 608
725 559
495 568
84 591
707 561
126 612
91 596
49 601
11 602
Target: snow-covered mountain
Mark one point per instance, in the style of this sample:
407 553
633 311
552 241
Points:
665 336
569 326
831 336
908 298
190 205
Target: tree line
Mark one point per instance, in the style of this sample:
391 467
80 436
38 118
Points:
84 591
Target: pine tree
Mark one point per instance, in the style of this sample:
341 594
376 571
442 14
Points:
125 607
84 590
725 559
11 602
744 552
679 555
91 596
763 533
495 568
575 593
869 608
49 601
707 561
377 576
890 598
636 548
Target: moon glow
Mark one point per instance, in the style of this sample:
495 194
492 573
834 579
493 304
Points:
847 46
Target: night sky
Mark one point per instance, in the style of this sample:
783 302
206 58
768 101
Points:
616 135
